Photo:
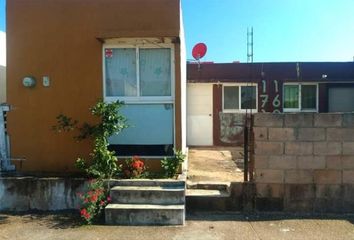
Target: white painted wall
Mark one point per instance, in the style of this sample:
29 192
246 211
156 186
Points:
2 67
199 114
183 84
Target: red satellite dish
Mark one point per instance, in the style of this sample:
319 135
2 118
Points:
199 51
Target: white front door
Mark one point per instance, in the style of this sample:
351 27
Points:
199 114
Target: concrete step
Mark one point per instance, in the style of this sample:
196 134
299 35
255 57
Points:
147 182
222 186
207 193
144 214
209 200
148 194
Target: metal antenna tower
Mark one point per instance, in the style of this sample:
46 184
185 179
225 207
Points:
250 45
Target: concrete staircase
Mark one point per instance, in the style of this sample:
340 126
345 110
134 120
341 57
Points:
146 202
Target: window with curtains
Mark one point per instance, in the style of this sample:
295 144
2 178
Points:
138 72
238 98
300 97
142 77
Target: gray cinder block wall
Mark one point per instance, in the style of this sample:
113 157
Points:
304 162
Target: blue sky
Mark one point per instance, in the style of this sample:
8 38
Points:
284 30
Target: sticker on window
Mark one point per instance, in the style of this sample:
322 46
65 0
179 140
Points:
109 53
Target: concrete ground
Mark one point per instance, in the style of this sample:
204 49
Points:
204 226
219 164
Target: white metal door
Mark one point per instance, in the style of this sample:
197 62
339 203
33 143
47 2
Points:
199 114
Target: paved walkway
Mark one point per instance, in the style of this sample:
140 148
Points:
218 164
210 226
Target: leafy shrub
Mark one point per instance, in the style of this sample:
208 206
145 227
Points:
171 165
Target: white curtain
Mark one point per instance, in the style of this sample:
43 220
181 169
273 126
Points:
155 72
121 72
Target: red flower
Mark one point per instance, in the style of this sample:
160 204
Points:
102 203
137 164
109 199
94 198
83 212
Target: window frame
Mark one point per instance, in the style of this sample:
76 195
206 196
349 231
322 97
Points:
299 109
239 85
140 99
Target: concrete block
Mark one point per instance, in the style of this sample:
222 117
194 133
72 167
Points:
298 148
311 134
348 176
348 148
334 162
311 162
269 176
328 205
269 148
261 161
269 204
300 191
340 134
281 134
299 198
298 176
348 162
348 119
328 176
327 120
236 189
147 194
299 206
268 120
348 198
327 148
260 133
329 191
348 193
144 214
282 162
273 190
298 120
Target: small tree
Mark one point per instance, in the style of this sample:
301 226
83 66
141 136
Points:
104 162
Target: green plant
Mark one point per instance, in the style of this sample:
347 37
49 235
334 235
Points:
93 201
103 161
134 168
171 165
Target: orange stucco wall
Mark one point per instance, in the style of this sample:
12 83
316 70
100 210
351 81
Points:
59 39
